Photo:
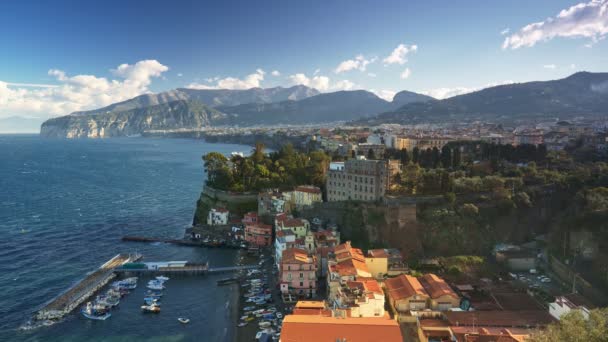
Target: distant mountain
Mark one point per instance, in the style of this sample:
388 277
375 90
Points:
174 115
328 107
19 124
406 97
194 109
210 97
581 94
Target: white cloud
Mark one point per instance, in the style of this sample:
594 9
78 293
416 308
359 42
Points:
385 94
250 81
584 20
343 85
180 74
572 66
79 92
317 71
446 92
275 73
399 54
405 74
371 74
550 66
505 31
359 63
321 83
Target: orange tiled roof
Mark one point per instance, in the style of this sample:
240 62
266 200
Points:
436 287
293 222
295 256
301 328
404 286
318 304
377 253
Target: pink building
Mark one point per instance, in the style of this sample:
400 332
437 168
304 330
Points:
250 218
258 234
298 272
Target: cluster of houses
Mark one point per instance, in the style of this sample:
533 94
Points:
341 293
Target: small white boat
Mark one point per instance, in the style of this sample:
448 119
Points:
279 315
156 287
184 320
162 278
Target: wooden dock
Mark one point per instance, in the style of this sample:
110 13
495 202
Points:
71 298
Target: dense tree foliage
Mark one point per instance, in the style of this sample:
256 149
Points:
283 169
573 327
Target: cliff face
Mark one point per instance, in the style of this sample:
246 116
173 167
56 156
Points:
174 115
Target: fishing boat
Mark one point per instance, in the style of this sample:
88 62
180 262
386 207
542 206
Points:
155 286
162 278
183 320
242 324
90 313
151 301
154 308
264 324
279 315
108 301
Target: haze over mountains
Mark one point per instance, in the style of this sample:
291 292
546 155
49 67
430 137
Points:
581 94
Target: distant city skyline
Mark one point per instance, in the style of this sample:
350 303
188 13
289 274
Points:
64 56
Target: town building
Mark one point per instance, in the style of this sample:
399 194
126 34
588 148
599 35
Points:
350 285
272 203
422 143
298 226
217 216
528 137
377 262
405 294
258 234
441 295
357 179
304 196
284 239
372 151
306 327
298 272
567 303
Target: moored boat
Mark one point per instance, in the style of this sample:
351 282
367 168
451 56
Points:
90 313
184 320
150 308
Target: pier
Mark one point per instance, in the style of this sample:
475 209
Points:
185 242
84 288
179 268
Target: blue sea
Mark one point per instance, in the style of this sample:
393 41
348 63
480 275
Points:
64 206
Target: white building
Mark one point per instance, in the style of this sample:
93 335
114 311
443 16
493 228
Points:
217 216
566 304
284 239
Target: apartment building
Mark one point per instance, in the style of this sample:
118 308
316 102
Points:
422 143
357 179
298 272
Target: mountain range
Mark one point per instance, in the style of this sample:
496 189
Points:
199 108
581 94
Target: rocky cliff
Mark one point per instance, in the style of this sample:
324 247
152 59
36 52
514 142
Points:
174 115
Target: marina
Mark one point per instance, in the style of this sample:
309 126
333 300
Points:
83 289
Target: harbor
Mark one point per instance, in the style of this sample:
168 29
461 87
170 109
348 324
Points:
67 301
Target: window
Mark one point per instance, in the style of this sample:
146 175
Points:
301 284
301 275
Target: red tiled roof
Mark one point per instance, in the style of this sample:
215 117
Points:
506 319
436 287
404 286
296 256
301 328
293 222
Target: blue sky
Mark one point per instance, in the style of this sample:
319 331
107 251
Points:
450 47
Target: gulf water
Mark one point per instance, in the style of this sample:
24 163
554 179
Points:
64 206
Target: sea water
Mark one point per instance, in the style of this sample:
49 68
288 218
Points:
64 206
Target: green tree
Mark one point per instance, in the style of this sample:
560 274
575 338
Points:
573 327
456 159
416 155
446 157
